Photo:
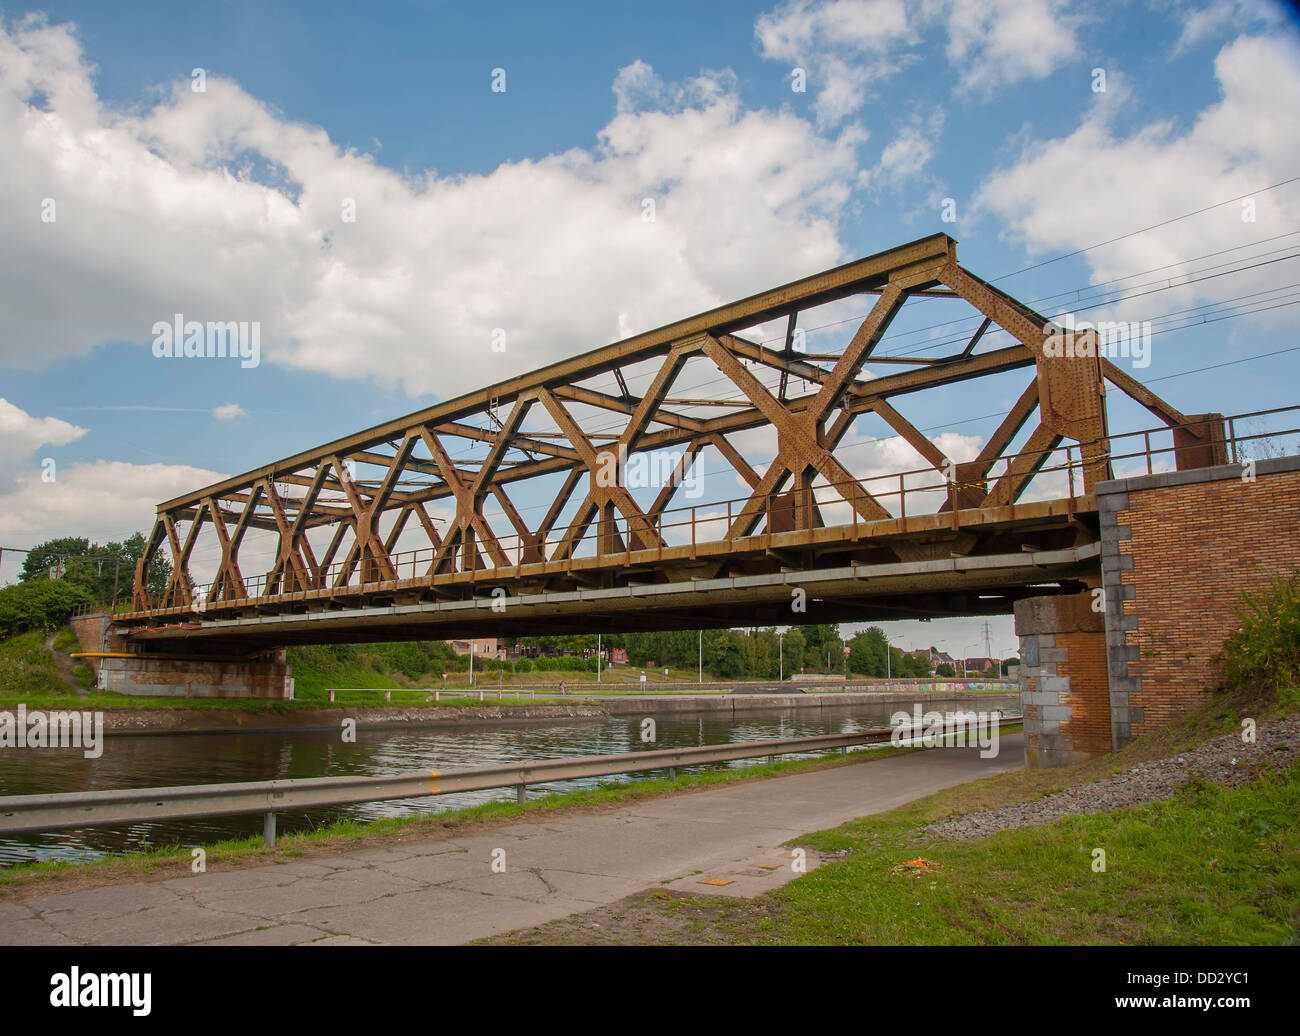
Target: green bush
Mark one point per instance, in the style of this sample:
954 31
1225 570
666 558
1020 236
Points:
1266 650
566 664
40 604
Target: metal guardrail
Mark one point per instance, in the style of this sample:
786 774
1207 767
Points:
20 813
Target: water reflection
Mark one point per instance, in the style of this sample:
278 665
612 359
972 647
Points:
159 761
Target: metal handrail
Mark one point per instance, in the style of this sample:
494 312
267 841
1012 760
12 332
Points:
61 810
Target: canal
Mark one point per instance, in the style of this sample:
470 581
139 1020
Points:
141 761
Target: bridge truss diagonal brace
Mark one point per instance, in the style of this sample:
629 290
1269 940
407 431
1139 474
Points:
799 434
1071 389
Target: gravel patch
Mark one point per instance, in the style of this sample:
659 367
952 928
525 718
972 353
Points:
1224 760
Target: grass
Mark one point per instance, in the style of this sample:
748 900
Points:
27 669
1212 866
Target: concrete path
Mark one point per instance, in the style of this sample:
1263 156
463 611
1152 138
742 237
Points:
445 891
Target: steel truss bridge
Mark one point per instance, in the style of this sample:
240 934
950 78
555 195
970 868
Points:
950 538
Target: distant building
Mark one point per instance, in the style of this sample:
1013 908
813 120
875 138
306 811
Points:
935 656
483 647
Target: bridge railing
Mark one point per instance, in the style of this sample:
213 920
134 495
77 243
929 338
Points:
711 523
63 810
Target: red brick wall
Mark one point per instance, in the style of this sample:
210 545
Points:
1089 694
1195 549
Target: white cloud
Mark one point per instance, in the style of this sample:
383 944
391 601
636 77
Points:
229 412
106 500
21 435
1201 23
849 45
160 212
103 500
997 42
844 45
1094 184
904 160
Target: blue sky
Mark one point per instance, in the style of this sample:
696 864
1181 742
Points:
521 209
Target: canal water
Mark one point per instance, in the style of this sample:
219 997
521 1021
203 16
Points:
145 761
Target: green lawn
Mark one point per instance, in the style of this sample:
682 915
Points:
1212 866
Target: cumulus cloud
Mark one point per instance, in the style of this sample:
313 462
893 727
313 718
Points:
214 206
105 500
229 412
844 45
21 435
849 45
1096 183
997 42
1202 22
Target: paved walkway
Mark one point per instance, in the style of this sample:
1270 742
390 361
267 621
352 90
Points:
445 891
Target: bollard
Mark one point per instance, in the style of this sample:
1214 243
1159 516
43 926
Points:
268 829
672 773
436 697
480 695
331 697
521 792
388 697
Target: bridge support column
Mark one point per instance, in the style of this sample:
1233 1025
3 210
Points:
1063 683
190 673
1179 551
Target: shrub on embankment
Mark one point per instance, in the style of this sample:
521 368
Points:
27 667
39 604
1265 652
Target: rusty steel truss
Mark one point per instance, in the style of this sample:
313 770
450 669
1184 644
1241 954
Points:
359 496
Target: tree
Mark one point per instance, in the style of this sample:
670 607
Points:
99 568
39 605
867 652
824 646
793 650
945 669
724 653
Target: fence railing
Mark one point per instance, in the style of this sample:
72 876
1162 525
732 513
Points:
20 813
